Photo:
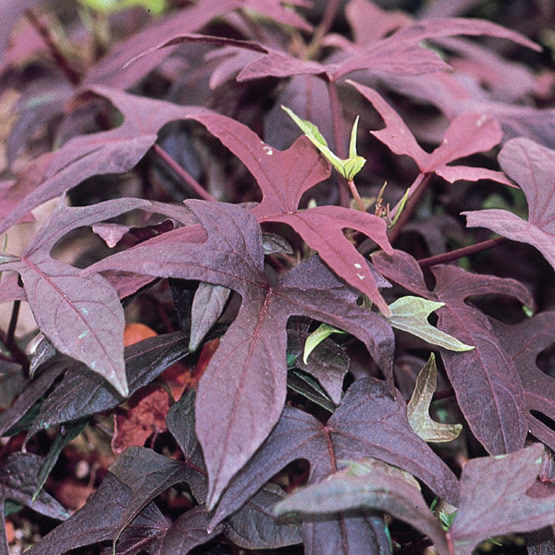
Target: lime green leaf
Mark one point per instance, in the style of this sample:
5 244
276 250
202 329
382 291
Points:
316 337
419 405
347 168
410 314
402 203
110 6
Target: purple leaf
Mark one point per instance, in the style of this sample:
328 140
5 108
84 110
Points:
368 484
18 479
81 315
328 363
524 342
250 400
82 393
107 152
486 381
256 526
321 227
147 474
467 134
532 166
501 495
35 389
368 423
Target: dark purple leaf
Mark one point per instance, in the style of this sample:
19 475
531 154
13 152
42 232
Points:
249 400
109 70
368 423
36 388
455 96
18 479
256 526
181 424
532 166
368 484
523 343
328 363
82 393
147 474
501 495
208 304
95 522
321 227
81 315
486 381
399 53
467 134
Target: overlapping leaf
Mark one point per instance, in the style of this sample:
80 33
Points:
501 495
532 166
523 342
368 484
82 393
18 479
81 315
106 152
247 380
486 381
367 423
283 177
467 134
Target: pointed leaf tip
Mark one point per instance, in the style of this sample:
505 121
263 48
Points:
411 313
419 405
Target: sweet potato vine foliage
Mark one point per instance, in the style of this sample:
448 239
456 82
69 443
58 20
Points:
256 257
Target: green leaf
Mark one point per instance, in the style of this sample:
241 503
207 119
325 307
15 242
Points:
72 430
347 168
410 314
419 405
316 337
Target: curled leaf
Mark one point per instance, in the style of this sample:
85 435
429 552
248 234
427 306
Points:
419 405
348 167
410 314
316 337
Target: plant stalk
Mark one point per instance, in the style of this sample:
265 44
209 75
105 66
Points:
72 75
182 173
416 191
338 136
462 252
332 7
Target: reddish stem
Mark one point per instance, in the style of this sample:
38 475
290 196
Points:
416 191
460 253
338 135
73 76
328 18
182 173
